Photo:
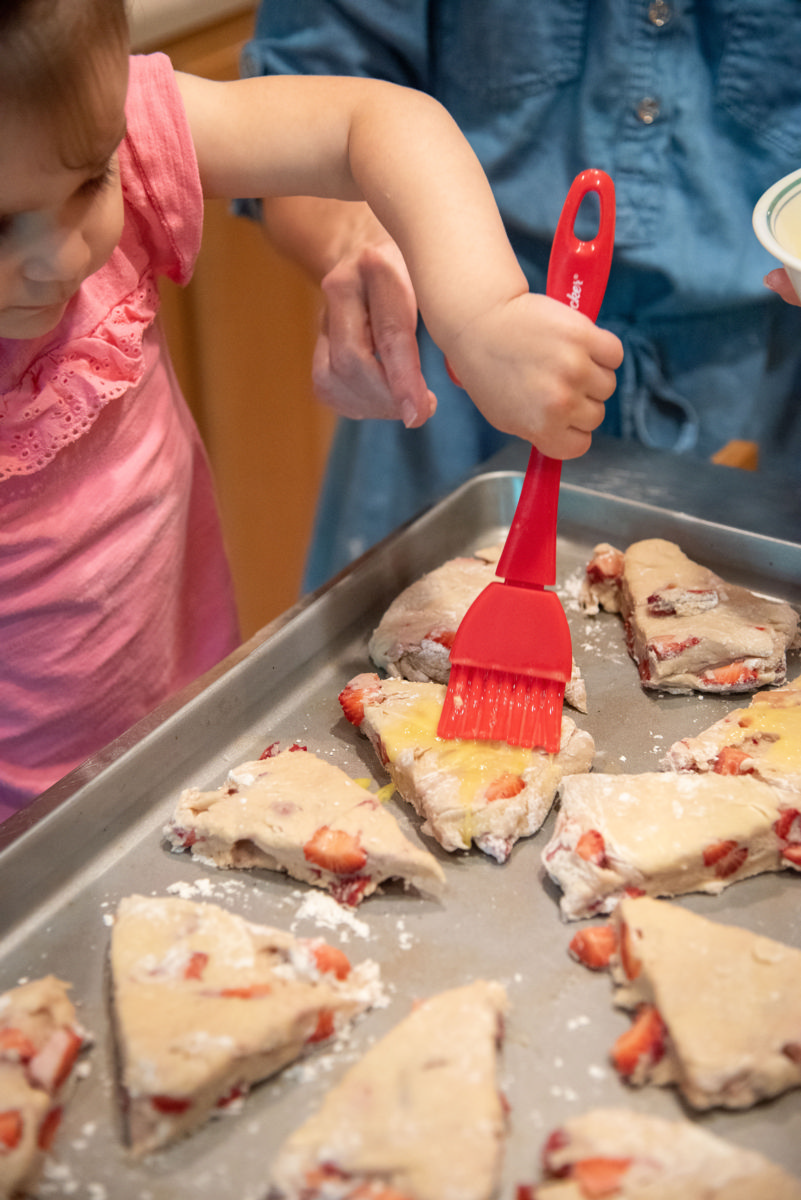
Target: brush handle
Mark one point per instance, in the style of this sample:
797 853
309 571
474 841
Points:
577 275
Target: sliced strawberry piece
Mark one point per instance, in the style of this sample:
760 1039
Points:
10 1129
331 958
335 850
557 1140
443 637
525 1191
349 891
49 1128
250 991
725 856
15 1044
324 1027
185 837
171 1105
793 1052
505 786
667 648
50 1067
792 854
594 946
236 1092
591 846
196 965
598 1177
730 761
606 565
783 827
643 1043
270 751
628 959
731 675
352 700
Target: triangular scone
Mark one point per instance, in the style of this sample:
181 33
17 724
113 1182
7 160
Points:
717 1009
296 813
626 1155
483 792
686 628
415 634
419 1117
205 1004
661 834
763 740
40 1040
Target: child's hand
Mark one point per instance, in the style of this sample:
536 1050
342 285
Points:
540 371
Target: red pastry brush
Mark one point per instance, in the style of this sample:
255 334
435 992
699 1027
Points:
512 656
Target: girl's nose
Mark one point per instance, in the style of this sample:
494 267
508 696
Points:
60 256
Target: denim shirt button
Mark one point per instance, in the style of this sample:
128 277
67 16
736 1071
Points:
659 13
648 110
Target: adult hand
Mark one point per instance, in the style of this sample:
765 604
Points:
366 361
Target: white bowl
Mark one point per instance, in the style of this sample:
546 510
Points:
777 224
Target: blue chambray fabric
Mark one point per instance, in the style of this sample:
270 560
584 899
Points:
693 108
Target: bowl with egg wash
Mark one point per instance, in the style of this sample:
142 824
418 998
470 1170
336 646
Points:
777 224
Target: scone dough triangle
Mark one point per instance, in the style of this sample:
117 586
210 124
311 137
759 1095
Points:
296 813
206 1004
717 1009
483 792
419 1114
628 1155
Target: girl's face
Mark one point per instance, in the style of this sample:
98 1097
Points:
58 224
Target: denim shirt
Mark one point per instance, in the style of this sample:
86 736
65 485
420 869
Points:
693 109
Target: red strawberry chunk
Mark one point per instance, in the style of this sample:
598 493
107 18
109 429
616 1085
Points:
51 1066
667 648
185 837
605 565
171 1105
594 946
628 959
592 848
793 854
49 1128
599 1177
324 1027
643 1043
335 850
783 827
793 1052
505 786
730 761
331 958
16 1045
349 891
443 637
725 856
250 991
10 1129
196 965
731 674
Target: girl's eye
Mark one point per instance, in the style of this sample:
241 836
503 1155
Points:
98 183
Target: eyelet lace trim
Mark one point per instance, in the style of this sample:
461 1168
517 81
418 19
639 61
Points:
63 391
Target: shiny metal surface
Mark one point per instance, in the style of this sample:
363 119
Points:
96 837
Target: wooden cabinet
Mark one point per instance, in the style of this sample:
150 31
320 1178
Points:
241 336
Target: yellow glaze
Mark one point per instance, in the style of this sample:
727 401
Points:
784 724
476 764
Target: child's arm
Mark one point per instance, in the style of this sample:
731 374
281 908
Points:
533 367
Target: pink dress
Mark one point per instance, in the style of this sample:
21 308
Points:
114 586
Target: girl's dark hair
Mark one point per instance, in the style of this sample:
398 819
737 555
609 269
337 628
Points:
49 62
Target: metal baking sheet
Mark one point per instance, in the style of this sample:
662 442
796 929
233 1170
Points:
95 838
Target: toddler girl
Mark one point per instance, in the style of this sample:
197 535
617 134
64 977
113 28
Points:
114 590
